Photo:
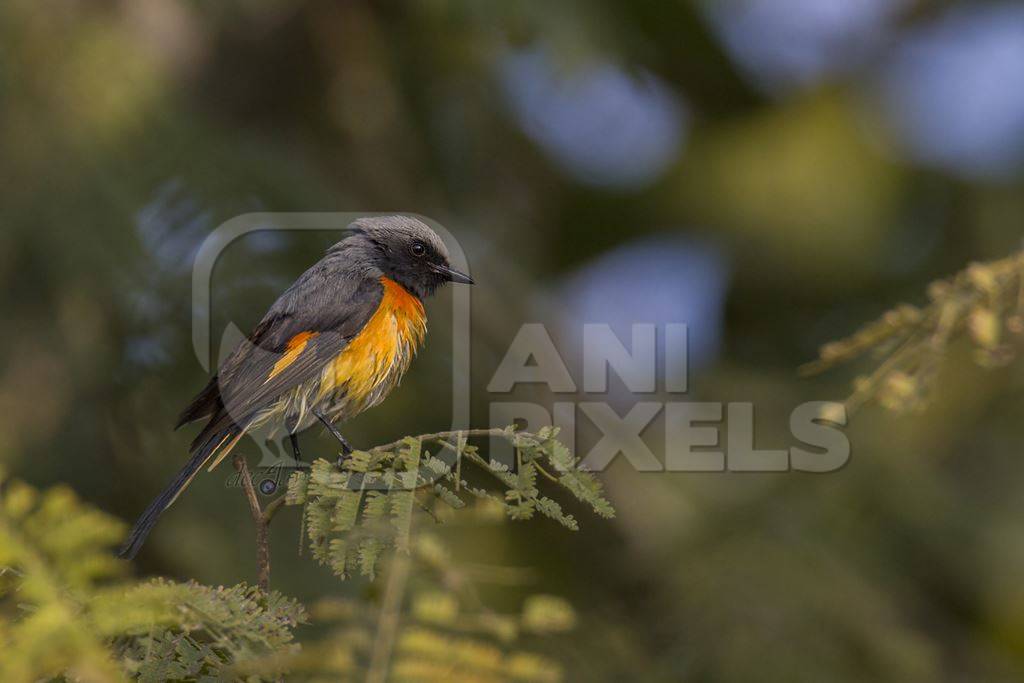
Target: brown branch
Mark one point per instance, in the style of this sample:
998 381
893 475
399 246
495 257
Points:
261 520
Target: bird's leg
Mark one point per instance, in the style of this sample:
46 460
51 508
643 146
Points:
296 453
346 449
292 424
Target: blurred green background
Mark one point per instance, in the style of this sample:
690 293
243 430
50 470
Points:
771 172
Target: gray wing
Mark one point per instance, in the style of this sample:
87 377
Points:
307 327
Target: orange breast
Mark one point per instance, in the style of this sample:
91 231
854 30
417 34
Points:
376 358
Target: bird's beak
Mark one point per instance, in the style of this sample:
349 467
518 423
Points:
452 274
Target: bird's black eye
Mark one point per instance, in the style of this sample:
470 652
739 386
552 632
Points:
418 249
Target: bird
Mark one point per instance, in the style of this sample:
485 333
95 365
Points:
334 344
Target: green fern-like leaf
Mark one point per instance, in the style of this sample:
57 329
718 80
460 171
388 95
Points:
581 484
67 612
318 526
371 486
298 484
550 508
346 510
448 497
403 498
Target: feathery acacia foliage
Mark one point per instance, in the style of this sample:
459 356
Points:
353 512
434 629
985 301
66 610
190 632
52 553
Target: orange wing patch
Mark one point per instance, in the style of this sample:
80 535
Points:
296 345
223 452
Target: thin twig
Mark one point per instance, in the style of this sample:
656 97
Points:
272 508
437 436
477 460
545 472
423 506
390 615
261 522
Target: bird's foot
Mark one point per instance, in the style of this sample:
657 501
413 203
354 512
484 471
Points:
346 447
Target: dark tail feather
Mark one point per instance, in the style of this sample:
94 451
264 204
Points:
206 403
148 519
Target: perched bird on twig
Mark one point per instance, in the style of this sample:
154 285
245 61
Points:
334 344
